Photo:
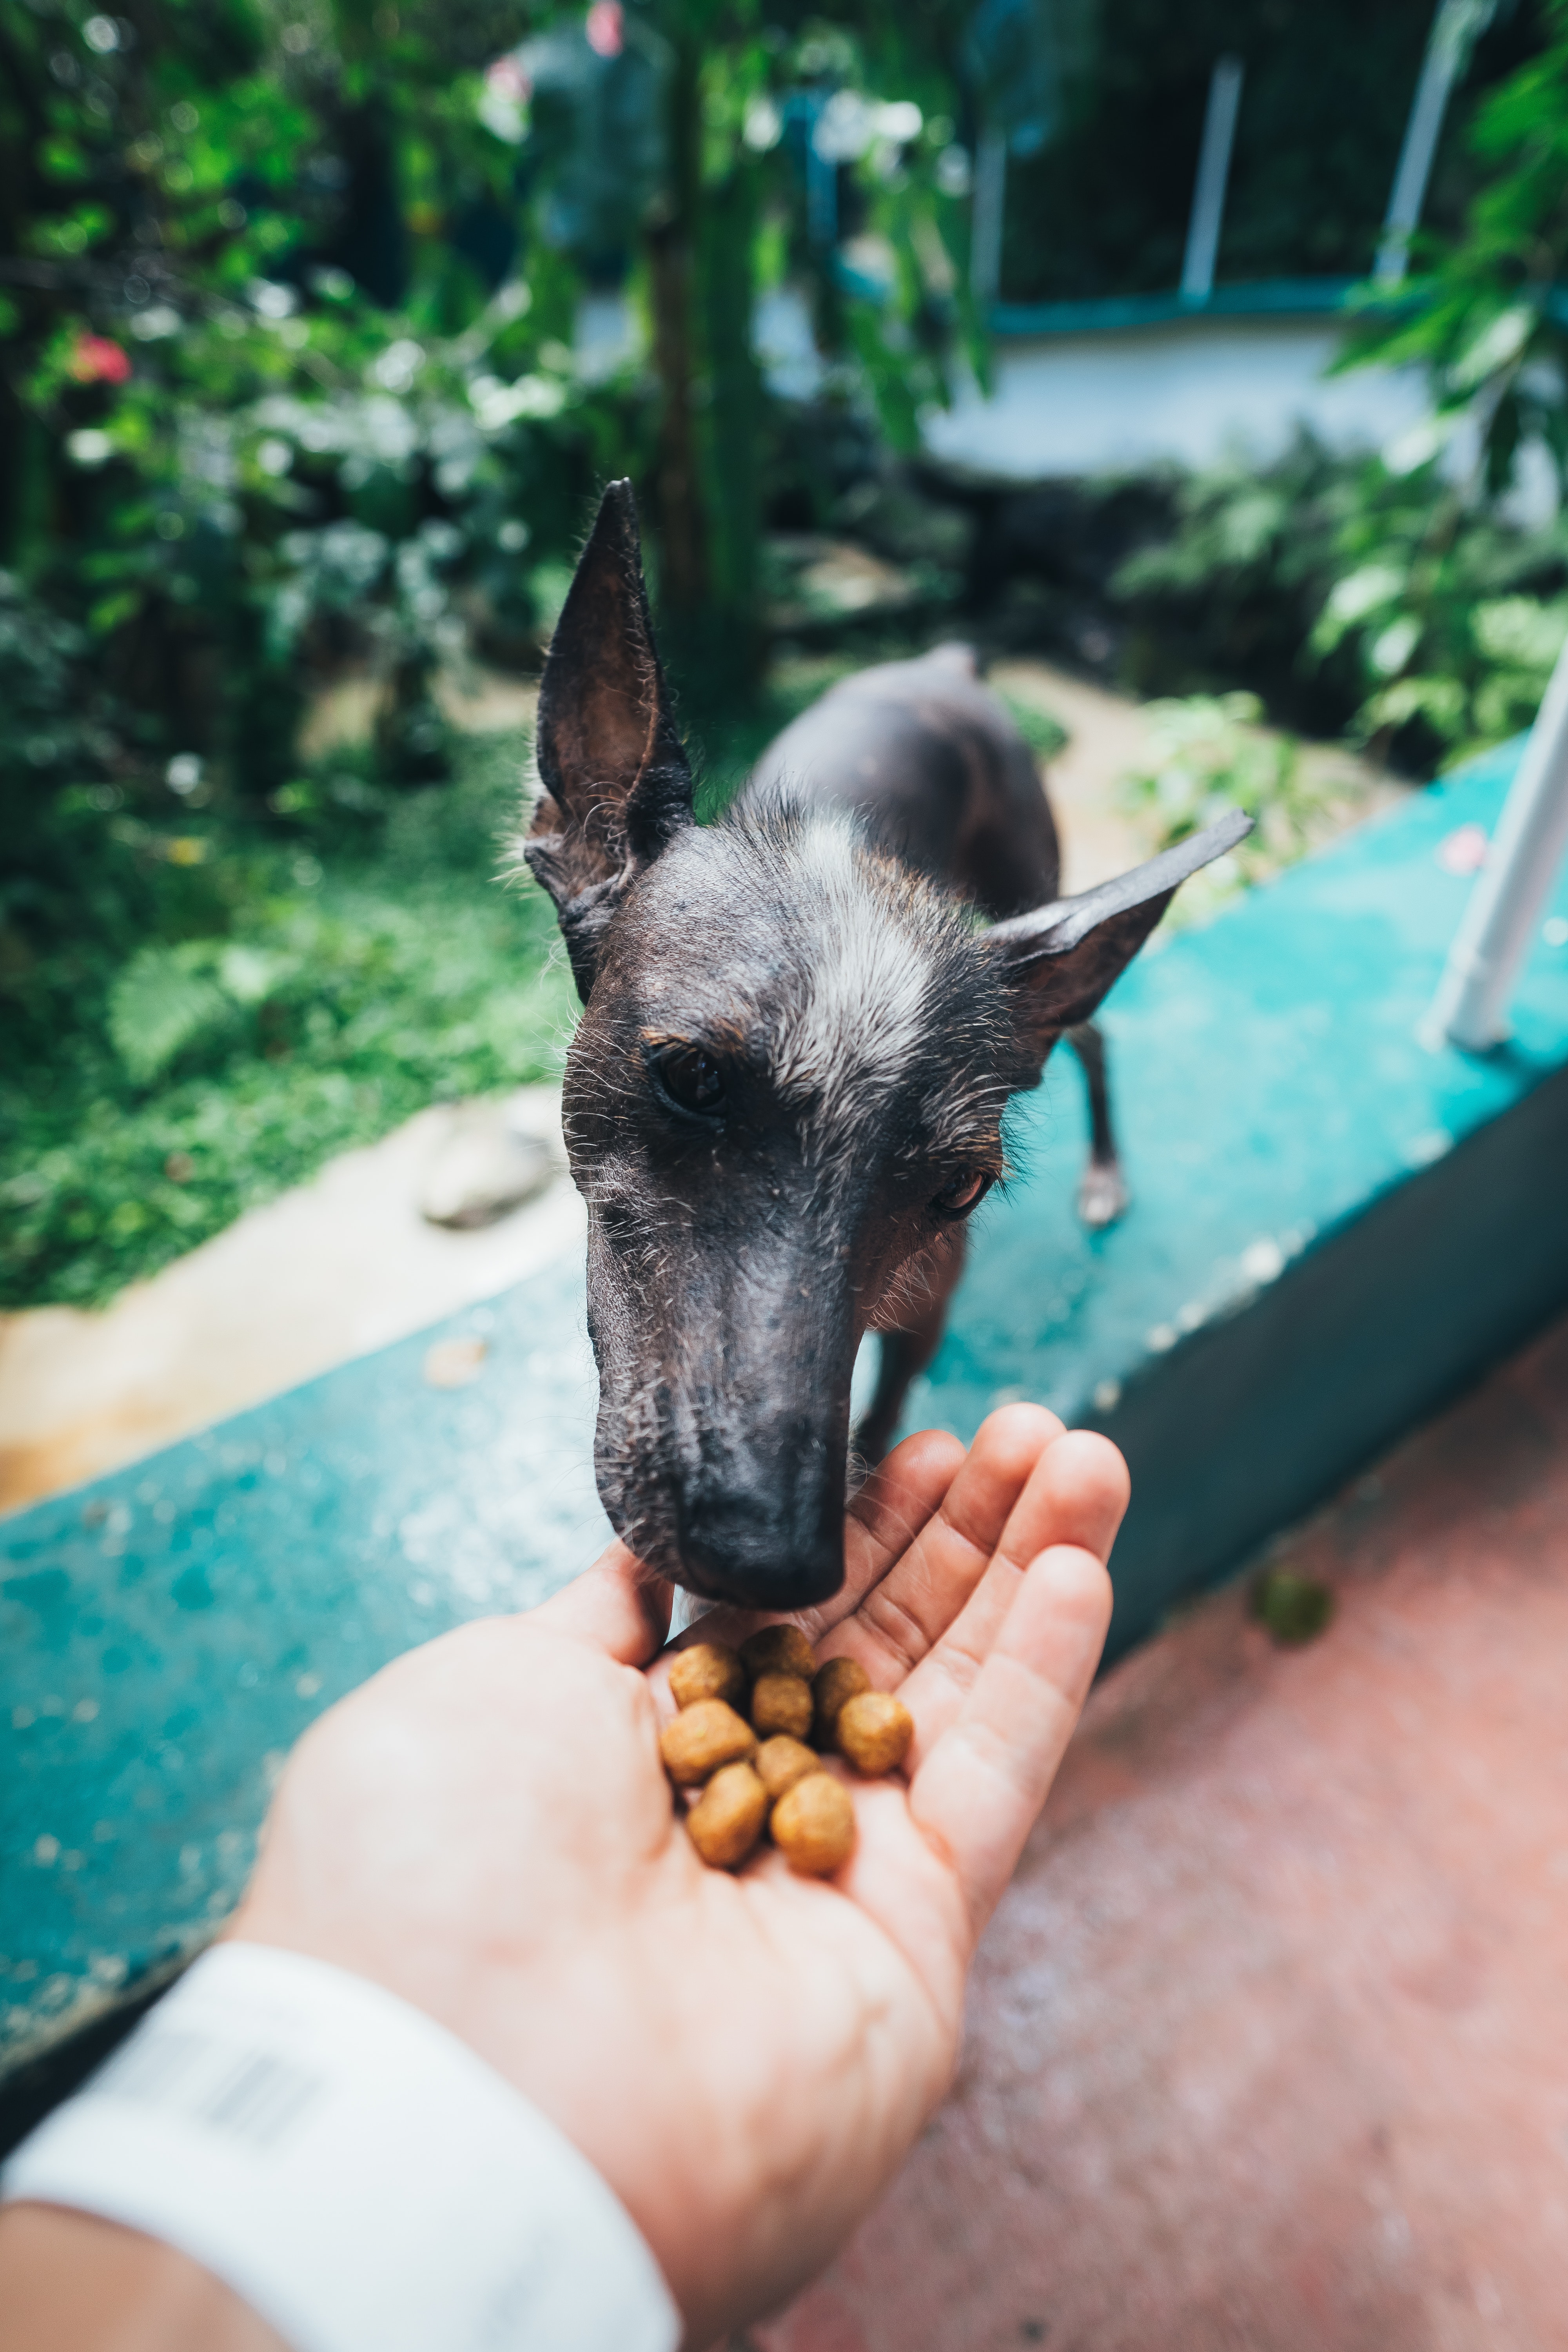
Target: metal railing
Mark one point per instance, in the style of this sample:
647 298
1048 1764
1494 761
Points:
1470 1008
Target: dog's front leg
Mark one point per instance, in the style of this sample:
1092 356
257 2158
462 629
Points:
907 1349
1102 1193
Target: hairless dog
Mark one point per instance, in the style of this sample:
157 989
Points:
784 1096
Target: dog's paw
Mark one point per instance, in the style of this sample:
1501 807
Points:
1102 1194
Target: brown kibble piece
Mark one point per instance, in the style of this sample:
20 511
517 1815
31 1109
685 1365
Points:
708 1669
813 1825
702 1738
782 1762
780 1703
839 1679
778 1650
874 1732
727 1819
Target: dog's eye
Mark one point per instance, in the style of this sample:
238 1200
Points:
692 1079
965 1193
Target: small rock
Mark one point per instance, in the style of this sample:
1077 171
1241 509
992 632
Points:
484 1166
453 1363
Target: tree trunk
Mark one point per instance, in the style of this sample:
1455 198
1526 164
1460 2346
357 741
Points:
679 502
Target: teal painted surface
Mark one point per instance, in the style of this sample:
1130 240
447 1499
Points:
166 1632
1269 297
1275 297
1268 1088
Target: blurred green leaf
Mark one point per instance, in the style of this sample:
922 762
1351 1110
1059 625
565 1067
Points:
163 1002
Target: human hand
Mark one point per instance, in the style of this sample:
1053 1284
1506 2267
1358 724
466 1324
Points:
486 1829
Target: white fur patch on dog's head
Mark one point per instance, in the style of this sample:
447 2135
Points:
856 1013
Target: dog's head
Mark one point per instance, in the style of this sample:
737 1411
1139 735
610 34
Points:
783 1098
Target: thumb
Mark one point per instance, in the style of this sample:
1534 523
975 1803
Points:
618 1606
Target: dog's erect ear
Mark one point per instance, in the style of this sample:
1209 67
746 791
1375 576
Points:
1058 962
615 786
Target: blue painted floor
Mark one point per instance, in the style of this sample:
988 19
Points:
166 1632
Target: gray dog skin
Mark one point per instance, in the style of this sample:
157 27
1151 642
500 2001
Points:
784 1096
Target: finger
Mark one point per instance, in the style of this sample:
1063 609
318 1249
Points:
1075 1496
912 1606
617 1606
980 1790
886 1516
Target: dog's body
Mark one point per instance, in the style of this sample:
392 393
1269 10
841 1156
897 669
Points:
928 763
786 1092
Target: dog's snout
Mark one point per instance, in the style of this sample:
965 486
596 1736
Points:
771 1539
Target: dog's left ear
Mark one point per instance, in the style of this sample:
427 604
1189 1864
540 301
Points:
1058 962
616 785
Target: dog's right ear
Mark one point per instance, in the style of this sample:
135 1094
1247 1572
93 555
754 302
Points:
615 788
1058 962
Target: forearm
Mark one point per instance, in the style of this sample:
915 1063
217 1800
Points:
71 2282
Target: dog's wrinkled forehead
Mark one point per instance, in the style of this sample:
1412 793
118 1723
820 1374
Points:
789 934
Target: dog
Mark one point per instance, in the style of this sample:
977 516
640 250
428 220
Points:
784 1098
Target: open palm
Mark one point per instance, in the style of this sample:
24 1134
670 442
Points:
486 1829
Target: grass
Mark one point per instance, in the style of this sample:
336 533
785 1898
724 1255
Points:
350 974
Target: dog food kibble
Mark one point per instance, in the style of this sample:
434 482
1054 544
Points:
727 1819
874 1732
702 1738
708 1669
746 1777
780 1703
782 1761
813 1825
778 1650
839 1679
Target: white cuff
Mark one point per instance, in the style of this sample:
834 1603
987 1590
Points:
351 2170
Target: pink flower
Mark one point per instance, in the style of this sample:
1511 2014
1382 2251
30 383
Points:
607 28
95 359
505 78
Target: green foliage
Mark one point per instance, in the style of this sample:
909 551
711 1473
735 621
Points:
1450 611
1355 596
165 1000
224 463
287 367
1229 589
1208 753
1042 733
374 965
1488 322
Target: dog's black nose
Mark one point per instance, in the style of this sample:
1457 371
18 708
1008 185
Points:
765 1549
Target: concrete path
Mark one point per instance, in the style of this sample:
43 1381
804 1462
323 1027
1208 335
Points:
1267 2044
328 1270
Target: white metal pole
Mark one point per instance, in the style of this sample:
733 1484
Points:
1470 1008
1214 171
1455 28
985 218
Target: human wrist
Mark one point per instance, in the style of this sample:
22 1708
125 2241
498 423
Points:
350 2170
71 2282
